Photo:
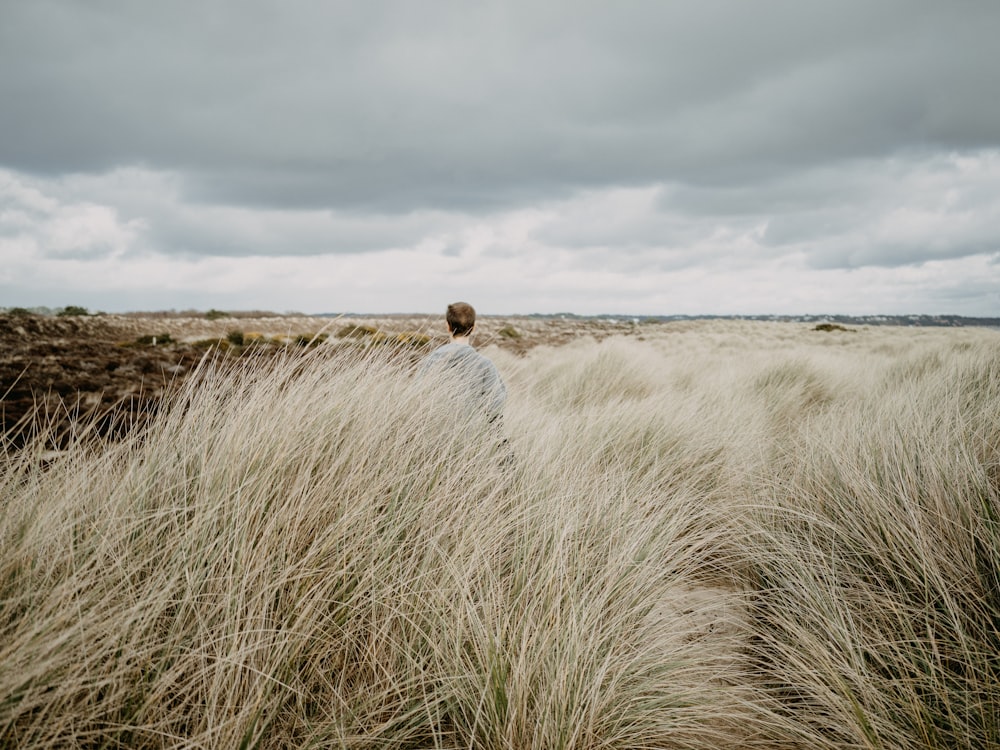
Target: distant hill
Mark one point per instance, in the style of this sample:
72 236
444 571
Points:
952 321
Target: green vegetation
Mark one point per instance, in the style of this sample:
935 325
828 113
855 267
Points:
161 339
829 327
509 332
214 314
310 339
73 311
353 331
731 536
416 340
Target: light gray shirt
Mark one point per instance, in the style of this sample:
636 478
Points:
486 390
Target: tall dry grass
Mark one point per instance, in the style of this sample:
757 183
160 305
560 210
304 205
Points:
724 535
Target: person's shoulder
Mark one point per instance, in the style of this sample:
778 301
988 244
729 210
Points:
445 350
444 353
487 361
484 357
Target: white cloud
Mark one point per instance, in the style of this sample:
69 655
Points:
877 236
34 225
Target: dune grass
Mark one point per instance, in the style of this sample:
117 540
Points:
725 536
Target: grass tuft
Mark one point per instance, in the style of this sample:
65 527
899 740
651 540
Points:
699 541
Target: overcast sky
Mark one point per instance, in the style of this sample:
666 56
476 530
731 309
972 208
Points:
657 157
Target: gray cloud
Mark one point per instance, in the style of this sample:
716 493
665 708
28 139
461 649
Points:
637 137
862 213
391 106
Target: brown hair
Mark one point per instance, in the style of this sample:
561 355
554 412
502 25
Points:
461 318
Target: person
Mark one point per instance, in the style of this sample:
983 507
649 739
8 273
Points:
476 375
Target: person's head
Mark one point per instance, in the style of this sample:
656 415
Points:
461 318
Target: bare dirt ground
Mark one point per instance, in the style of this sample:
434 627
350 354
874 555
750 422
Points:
55 370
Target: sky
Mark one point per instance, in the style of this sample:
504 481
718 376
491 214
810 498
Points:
648 157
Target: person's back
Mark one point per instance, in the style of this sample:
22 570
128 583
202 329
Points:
473 373
481 386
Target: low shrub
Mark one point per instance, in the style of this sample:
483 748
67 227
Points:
72 311
416 340
309 339
358 332
158 340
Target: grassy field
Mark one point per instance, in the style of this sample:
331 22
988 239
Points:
721 534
